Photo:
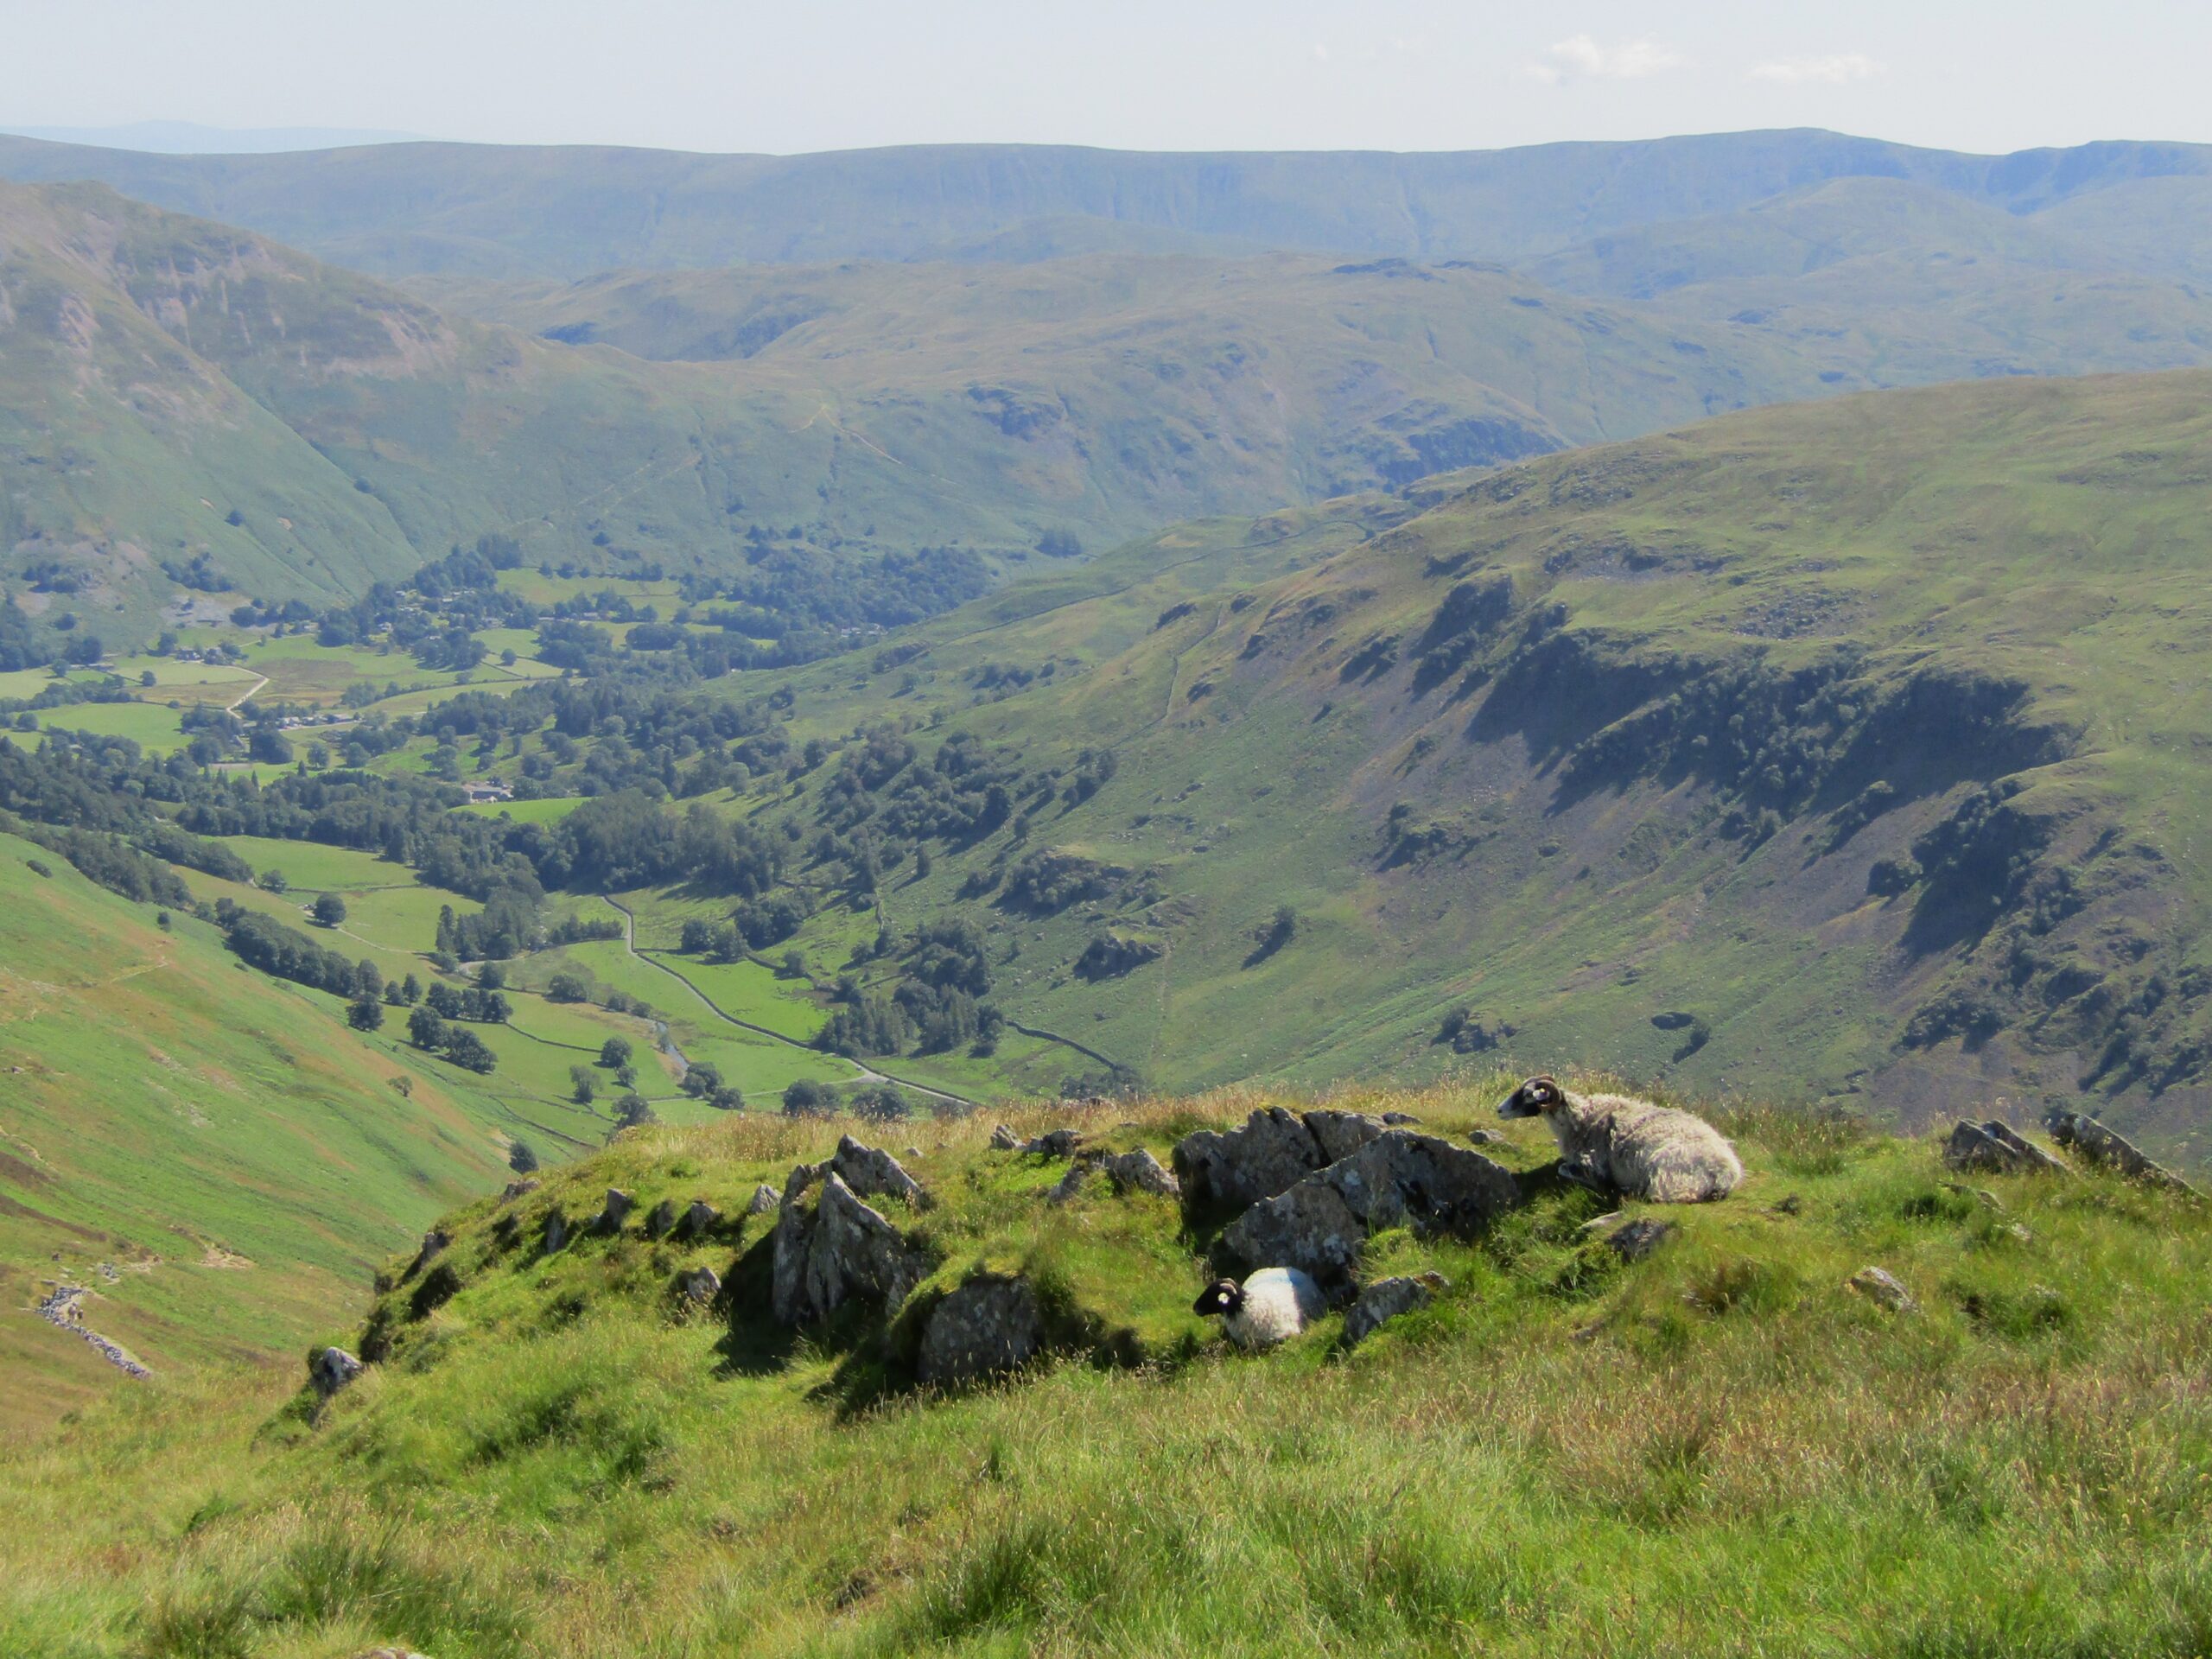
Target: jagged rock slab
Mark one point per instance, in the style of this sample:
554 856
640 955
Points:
835 1249
1996 1149
2080 1133
1274 1150
617 1211
988 1327
764 1199
1398 1178
1386 1299
701 1217
661 1221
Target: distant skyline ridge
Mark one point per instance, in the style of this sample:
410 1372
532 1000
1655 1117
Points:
511 210
192 138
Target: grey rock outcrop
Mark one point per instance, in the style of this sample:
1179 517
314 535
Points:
1386 1299
1053 1143
1881 1286
331 1368
1997 1149
1003 1139
1140 1172
699 1220
1398 1178
764 1199
557 1232
988 1327
1274 1150
660 1222
615 1212
514 1189
834 1248
2080 1133
1399 1120
869 1172
699 1287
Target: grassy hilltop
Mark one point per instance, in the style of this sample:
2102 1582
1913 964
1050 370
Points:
1720 1449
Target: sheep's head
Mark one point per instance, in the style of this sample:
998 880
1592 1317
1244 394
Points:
1534 1098
1223 1296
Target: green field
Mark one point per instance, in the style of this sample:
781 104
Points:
155 729
312 866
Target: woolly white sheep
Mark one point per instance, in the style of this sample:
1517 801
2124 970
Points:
1273 1305
1630 1145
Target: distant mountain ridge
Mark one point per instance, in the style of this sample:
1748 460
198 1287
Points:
513 212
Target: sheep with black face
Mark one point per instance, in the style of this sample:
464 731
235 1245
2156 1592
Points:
1273 1305
1619 1143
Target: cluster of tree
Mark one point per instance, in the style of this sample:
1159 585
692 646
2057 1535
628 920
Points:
935 1006
476 1004
106 860
287 954
429 1030
753 926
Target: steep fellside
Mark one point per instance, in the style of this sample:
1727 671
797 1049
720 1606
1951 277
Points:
1844 751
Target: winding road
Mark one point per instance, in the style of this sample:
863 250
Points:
866 1074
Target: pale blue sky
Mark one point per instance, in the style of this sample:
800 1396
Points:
1155 75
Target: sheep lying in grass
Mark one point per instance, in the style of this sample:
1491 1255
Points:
1630 1145
1271 1306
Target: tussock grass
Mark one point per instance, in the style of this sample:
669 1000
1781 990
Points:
1718 1449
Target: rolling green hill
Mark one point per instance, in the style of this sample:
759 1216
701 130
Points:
1840 752
566 213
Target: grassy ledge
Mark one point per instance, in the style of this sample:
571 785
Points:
1720 1449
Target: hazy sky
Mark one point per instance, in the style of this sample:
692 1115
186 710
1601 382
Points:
1155 75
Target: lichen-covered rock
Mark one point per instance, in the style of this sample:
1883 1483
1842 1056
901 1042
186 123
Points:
617 1211
1140 1172
1881 1286
2100 1145
699 1287
764 1199
1996 1149
1275 1149
660 1222
835 1249
988 1327
1386 1299
701 1217
331 1368
1399 1178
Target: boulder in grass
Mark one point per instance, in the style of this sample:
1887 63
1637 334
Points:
701 1217
1272 1151
615 1211
1387 1298
1004 1139
764 1200
1140 1172
557 1232
331 1368
1996 1149
699 1287
828 1247
1885 1289
660 1222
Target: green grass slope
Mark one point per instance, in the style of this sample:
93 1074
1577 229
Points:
1720 1450
221 1141
1845 750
